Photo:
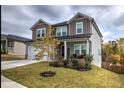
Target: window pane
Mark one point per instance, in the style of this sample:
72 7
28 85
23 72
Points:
58 31
64 30
77 52
77 49
83 52
38 35
10 44
79 30
38 32
43 32
63 33
79 27
83 46
83 49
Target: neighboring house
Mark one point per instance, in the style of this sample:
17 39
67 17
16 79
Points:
14 45
79 35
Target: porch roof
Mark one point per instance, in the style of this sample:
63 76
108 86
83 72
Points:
75 36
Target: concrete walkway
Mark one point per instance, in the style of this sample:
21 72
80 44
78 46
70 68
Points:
7 83
16 63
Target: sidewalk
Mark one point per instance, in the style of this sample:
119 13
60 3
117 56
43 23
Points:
7 83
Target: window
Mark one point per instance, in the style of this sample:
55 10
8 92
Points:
61 31
64 31
77 49
83 49
79 28
80 49
58 31
11 44
41 32
38 33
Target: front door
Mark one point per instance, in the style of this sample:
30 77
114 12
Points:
62 49
68 53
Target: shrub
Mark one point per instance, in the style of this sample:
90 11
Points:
122 59
74 63
88 59
69 65
52 63
65 62
58 63
81 64
115 58
78 56
2 51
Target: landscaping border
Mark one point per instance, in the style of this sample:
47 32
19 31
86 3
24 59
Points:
114 68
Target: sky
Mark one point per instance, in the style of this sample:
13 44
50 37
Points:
17 20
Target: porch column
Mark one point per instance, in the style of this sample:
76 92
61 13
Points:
6 46
88 47
65 50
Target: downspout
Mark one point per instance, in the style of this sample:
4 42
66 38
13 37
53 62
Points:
26 54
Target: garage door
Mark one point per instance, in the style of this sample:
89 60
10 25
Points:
32 52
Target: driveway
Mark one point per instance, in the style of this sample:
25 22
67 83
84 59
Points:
15 63
7 83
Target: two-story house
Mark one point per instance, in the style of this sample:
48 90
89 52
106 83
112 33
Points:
79 35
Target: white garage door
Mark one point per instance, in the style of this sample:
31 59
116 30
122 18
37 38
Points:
32 52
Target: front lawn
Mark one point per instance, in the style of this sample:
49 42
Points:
65 78
5 57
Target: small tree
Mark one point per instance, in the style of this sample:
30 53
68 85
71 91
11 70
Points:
88 59
106 52
121 49
46 44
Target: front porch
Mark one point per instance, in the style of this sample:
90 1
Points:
74 47
4 46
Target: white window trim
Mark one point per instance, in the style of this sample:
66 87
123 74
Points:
61 31
40 32
80 48
82 27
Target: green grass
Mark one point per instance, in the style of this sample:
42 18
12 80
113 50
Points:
5 57
64 78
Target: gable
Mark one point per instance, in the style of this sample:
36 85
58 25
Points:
40 22
80 16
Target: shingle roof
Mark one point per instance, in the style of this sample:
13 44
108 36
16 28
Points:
66 22
14 37
61 23
18 38
3 36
